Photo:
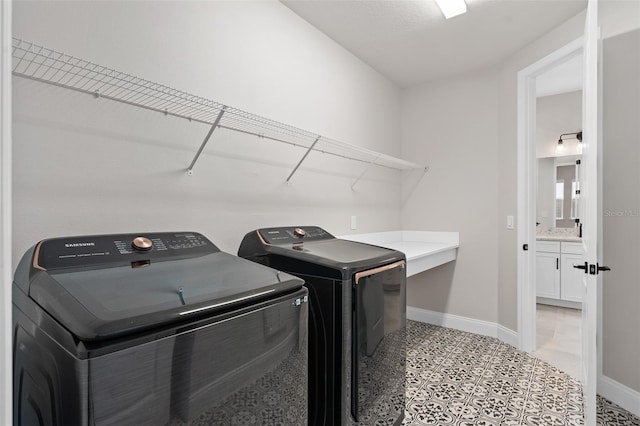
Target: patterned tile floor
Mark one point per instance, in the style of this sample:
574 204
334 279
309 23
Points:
458 378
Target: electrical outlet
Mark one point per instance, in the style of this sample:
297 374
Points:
354 222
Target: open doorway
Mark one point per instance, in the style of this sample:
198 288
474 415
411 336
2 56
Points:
549 88
558 286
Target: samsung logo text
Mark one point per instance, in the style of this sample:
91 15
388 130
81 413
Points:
71 245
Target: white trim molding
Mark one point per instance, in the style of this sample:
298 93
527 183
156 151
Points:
620 394
6 382
470 325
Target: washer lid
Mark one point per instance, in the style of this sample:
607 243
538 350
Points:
343 252
315 245
143 289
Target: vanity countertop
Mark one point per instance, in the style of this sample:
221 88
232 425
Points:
558 234
572 239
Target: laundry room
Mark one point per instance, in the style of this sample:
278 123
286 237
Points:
223 118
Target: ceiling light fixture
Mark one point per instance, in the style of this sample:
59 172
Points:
451 8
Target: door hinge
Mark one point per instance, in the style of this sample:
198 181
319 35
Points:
525 247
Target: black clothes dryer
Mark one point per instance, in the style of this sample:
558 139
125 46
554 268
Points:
158 329
357 325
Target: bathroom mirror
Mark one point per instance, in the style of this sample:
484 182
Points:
557 198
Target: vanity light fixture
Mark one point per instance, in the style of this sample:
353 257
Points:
564 136
451 8
576 135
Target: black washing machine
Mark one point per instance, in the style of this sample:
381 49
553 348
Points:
357 322
155 329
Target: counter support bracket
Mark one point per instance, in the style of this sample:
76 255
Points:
206 139
303 158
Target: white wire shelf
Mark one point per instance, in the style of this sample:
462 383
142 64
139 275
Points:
46 65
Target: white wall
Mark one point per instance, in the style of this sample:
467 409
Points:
546 192
621 320
618 17
452 125
555 115
621 205
84 166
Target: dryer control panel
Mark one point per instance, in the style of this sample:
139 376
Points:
293 234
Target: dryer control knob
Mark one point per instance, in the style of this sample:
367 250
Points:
142 243
299 232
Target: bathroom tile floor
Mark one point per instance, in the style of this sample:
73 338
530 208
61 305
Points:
558 338
459 378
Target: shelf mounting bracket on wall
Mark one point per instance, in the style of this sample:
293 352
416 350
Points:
206 139
303 158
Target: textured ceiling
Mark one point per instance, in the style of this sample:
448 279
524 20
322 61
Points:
410 42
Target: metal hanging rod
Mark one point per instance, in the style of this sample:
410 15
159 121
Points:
39 63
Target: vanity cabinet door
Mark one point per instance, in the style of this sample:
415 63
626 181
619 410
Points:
571 277
548 275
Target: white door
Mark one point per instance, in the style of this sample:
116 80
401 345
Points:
589 193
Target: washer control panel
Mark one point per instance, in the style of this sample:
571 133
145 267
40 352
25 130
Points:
293 234
139 249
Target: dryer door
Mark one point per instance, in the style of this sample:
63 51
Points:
379 344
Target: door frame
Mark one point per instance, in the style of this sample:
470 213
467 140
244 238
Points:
6 353
527 186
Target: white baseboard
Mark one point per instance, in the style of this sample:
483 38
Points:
558 302
470 325
620 394
507 335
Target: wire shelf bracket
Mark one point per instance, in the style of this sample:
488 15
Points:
206 139
295 169
42 64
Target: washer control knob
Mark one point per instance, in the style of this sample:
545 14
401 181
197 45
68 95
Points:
299 232
142 243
